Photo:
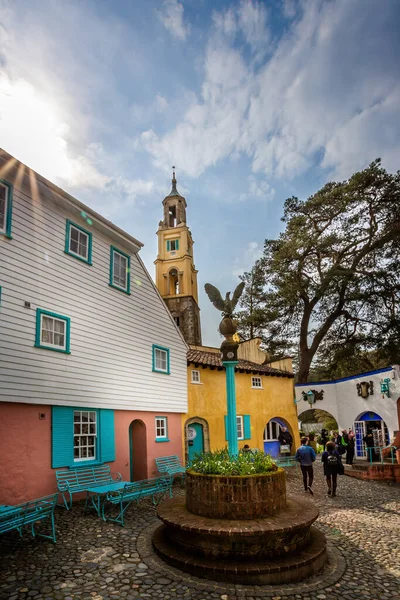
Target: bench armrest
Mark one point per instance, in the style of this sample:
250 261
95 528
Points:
63 487
116 476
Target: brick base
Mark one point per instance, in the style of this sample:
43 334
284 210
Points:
382 472
240 497
287 569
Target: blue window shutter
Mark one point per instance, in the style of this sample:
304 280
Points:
107 435
62 436
177 244
168 245
226 427
246 426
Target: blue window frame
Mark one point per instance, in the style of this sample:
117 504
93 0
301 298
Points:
78 242
84 423
52 331
120 270
172 245
161 427
6 198
161 363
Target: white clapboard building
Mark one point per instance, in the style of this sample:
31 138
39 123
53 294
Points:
92 365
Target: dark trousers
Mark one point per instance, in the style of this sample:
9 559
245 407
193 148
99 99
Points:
332 482
349 457
310 471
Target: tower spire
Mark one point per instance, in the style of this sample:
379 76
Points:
174 191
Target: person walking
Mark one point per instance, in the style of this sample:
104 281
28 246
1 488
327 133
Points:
351 443
332 467
305 455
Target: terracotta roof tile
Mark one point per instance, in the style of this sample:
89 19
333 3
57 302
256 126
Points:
213 359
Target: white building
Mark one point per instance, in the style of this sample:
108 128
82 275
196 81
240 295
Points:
92 365
359 402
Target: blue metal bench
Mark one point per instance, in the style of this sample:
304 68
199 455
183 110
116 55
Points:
29 513
79 479
286 461
154 488
170 465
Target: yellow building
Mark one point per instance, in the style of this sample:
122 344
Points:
264 391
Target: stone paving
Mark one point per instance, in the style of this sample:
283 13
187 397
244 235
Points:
93 560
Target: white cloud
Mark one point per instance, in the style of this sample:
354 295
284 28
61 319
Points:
171 16
327 93
252 19
251 253
259 189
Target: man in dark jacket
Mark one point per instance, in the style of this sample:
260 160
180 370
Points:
305 455
285 437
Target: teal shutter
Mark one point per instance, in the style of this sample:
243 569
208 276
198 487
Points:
246 426
226 427
62 436
168 245
107 435
177 244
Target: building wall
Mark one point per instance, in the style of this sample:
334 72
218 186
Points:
110 365
207 400
25 456
342 401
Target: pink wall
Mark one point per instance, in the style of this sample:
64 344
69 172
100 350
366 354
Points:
25 449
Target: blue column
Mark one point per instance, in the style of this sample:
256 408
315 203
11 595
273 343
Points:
231 406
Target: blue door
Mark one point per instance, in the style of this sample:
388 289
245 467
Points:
195 440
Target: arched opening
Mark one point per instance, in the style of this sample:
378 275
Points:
138 450
370 423
272 431
314 420
174 284
197 437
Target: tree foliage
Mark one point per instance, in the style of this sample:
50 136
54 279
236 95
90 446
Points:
252 316
331 279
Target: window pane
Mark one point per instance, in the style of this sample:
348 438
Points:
120 270
59 326
74 234
47 337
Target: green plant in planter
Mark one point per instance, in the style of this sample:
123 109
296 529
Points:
220 462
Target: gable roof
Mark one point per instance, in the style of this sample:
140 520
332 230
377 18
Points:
213 360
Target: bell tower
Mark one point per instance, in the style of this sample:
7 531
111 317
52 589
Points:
176 276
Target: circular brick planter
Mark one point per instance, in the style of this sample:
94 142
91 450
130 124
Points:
262 538
236 497
240 529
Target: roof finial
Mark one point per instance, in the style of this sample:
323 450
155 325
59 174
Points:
173 180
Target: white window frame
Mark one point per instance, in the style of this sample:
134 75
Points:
64 333
115 284
268 437
196 378
158 354
258 378
240 427
80 233
161 426
81 435
7 190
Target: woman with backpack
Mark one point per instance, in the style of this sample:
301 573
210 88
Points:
332 467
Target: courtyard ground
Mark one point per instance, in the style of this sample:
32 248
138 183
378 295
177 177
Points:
94 560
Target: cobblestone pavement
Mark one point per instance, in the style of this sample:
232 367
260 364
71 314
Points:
93 560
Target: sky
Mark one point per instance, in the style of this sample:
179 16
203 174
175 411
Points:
253 101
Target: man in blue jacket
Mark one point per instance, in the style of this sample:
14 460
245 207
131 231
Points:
306 456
